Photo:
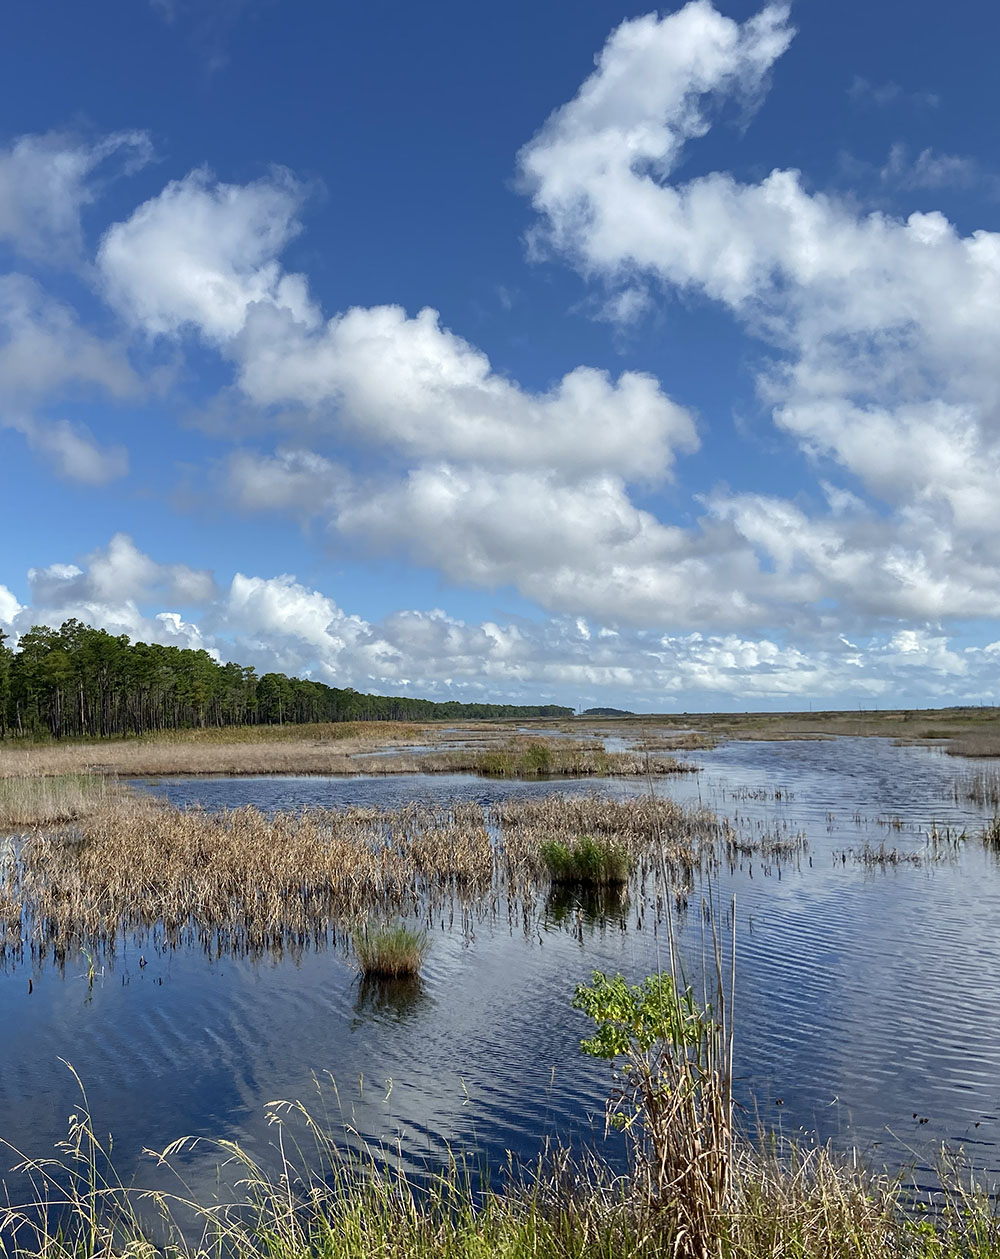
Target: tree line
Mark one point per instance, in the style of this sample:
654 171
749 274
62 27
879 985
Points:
80 681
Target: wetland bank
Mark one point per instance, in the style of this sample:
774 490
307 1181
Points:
187 943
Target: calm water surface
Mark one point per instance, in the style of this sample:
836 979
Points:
867 997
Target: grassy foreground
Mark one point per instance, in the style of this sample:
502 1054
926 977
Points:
783 1202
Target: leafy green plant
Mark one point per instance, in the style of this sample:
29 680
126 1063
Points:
587 860
673 1097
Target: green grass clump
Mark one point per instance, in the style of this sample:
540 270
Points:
391 951
587 860
523 760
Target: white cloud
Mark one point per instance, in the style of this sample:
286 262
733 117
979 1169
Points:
71 450
593 168
575 547
411 385
279 623
9 607
119 573
296 481
44 348
204 255
888 330
46 180
201 252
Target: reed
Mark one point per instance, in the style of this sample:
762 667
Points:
588 861
390 950
242 882
982 788
30 801
359 748
541 758
309 1197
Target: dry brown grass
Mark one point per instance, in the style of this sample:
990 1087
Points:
53 799
972 731
257 750
243 882
362 748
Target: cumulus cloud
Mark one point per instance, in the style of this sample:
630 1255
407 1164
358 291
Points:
887 330
47 180
279 623
44 348
297 481
204 255
573 547
118 573
47 355
201 252
409 384
10 608
882 334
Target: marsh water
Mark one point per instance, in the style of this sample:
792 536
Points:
867 980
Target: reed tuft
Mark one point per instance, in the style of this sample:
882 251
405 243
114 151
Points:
390 951
586 860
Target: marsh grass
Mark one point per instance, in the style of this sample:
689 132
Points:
390 950
327 749
541 758
589 861
31 801
982 788
241 882
312 1195
375 748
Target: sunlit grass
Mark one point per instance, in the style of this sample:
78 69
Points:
243 882
390 950
309 1197
31 801
587 860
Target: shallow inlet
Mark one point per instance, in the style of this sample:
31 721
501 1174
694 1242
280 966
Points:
865 992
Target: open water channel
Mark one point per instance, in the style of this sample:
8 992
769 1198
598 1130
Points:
868 995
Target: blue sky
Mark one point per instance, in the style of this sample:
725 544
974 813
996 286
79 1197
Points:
528 352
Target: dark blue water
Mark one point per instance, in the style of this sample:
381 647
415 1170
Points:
866 996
